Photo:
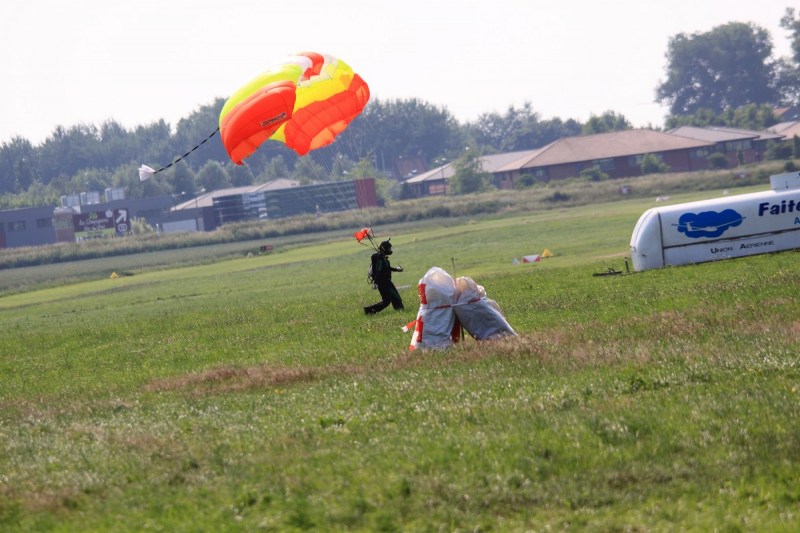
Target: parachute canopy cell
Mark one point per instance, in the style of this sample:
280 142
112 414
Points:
361 235
304 102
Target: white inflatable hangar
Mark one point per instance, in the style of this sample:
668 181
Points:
722 228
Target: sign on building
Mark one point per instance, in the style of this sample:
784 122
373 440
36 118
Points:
96 224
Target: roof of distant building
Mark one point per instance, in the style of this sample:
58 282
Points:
716 134
787 129
612 145
206 199
609 145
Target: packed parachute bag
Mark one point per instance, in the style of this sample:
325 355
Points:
436 325
479 315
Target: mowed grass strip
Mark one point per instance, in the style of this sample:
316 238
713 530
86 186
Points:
253 394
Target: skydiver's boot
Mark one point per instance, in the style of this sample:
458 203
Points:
375 308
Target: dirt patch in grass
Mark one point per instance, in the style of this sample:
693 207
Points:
572 347
235 379
556 348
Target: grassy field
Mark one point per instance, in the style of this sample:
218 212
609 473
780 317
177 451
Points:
252 394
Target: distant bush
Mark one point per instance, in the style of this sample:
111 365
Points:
780 150
525 181
717 161
594 174
557 196
652 164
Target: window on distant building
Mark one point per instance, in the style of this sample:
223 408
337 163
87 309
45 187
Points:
635 161
149 213
43 223
604 164
700 153
16 226
540 172
735 146
63 223
437 188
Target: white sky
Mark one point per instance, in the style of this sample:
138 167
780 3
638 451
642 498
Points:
88 61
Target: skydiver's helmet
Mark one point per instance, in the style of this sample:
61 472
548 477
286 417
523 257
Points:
385 248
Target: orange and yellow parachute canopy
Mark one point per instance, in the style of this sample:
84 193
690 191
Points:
304 102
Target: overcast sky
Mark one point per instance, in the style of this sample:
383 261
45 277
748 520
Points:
88 61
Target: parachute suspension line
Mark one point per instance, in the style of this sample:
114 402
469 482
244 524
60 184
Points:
348 196
372 240
146 172
318 175
354 141
343 193
353 144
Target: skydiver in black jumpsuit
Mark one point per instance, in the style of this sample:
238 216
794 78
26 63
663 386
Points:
382 277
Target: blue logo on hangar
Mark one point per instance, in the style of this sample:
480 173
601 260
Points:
708 223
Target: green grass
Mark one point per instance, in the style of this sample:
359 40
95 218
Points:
252 394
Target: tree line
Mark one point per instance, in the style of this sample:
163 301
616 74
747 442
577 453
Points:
726 77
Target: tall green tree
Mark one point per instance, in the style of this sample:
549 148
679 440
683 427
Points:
512 131
341 168
365 168
788 69
791 22
400 128
518 129
70 150
748 117
276 169
469 175
152 144
127 177
92 179
608 121
241 175
192 130
308 171
213 176
727 67
18 165
116 145
182 180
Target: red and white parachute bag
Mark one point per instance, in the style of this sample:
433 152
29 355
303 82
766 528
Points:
479 315
436 325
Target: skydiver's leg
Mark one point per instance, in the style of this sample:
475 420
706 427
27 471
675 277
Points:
386 299
394 296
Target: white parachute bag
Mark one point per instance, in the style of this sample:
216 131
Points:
436 325
479 315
